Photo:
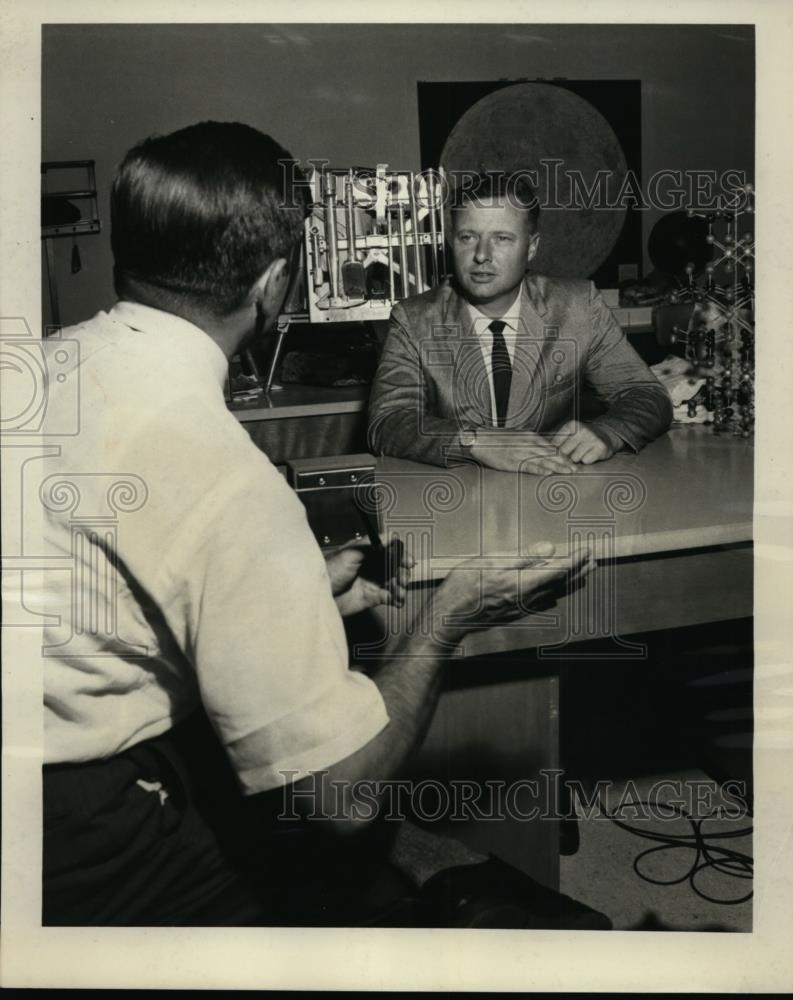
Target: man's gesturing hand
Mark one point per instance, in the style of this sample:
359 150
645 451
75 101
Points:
487 590
581 444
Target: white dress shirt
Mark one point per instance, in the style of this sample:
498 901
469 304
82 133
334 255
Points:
480 326
189 572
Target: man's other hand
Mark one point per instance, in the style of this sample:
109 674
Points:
581 444
485 590
354 593
520 451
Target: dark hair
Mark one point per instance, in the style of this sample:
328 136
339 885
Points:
200 214
514 187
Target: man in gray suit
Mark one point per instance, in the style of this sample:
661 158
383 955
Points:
489 366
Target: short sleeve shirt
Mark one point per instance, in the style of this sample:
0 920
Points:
182 570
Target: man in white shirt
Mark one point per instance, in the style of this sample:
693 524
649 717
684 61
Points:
196 582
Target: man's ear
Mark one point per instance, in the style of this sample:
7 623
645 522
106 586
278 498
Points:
269 291
534 243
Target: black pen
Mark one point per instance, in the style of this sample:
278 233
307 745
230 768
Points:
380 562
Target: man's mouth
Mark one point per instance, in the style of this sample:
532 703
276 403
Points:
482 276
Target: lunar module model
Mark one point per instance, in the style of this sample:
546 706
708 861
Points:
371 238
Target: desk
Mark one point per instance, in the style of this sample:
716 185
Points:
672 529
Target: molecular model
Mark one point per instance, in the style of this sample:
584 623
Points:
719 341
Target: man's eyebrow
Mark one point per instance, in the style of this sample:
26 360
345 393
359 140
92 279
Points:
472 229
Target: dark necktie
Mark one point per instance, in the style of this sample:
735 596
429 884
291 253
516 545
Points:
502 371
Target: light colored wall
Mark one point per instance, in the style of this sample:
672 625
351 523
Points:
348 93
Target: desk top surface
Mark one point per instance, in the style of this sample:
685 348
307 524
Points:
689 489
292 401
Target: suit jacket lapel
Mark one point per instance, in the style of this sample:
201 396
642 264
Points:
528 384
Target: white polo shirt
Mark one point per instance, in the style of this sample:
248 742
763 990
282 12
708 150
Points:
188 571
480 326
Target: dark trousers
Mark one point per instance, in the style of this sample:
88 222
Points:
160 835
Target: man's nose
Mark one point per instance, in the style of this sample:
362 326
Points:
482 250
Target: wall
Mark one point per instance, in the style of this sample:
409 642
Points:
348 93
